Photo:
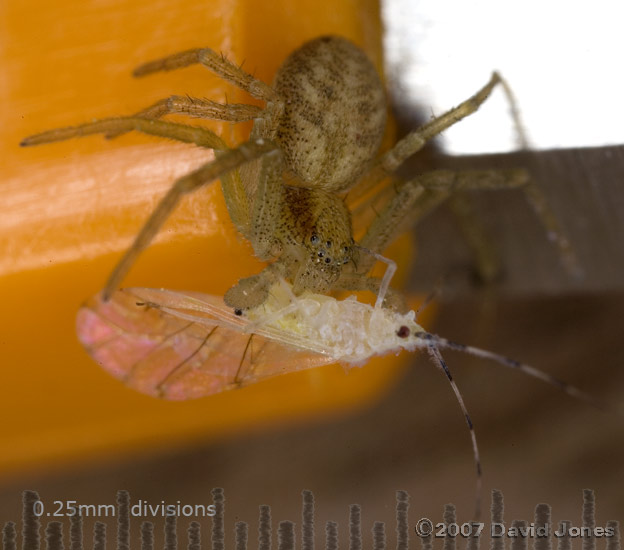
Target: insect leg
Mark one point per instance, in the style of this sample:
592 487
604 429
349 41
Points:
161 387
217 63
384 284
226 162
238 380
358 281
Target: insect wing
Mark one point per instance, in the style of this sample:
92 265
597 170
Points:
182 345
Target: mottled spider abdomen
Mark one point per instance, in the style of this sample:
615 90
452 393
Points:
334 112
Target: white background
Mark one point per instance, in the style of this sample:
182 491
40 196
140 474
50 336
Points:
563 60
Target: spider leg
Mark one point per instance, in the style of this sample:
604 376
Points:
538 201
198 108
490 179
416 140
217 63
475 235
264 224
201 108
268 197
227 161
221 66
172 130
235 193
253 291
415 198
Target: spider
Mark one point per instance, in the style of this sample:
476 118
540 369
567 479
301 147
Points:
322 126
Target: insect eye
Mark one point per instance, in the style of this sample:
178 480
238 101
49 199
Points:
314 239
403 332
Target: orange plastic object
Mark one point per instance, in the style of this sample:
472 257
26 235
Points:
70 209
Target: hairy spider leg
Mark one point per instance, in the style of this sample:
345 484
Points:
226 162
224 68
415 140
411 201
161 128
237 196
203 108
215 62
256 219
198 108
415 198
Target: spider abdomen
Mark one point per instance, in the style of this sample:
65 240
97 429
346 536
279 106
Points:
334 112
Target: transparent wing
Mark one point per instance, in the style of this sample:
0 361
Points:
183 345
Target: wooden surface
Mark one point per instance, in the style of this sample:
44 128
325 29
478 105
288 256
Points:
585 189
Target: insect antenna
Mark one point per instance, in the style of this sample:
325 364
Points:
435 354
513 364
433 343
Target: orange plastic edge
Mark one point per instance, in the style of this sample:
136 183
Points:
71 208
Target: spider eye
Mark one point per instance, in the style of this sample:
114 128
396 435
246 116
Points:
321 254
314 239
328 244
328 260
